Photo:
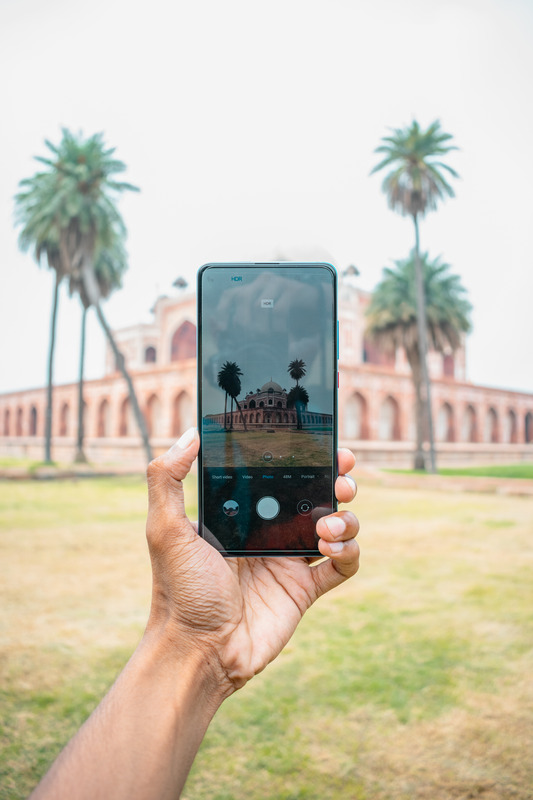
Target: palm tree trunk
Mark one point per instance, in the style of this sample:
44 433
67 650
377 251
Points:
93 294
121 364
226 411
48 418
413 356
242 416
80 457
423 346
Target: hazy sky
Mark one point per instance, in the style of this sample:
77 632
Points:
250 129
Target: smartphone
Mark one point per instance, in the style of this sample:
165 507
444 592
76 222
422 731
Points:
267 405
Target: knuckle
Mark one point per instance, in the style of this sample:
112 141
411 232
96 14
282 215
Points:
157 534
350 560
154 468
351 520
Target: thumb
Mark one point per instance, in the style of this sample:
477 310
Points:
178 460
166 507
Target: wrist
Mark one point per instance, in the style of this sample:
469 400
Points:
187 662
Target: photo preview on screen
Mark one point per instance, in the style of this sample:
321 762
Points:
267 378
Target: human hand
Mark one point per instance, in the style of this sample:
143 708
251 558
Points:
214 623
238 612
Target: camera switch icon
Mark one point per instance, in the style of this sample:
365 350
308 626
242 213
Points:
304 507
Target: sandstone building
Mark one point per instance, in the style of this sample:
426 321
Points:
376 401
268 406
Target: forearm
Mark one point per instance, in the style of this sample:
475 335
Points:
141 740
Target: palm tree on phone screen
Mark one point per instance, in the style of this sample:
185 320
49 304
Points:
229 380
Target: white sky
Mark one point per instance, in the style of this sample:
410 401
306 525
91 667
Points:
250 128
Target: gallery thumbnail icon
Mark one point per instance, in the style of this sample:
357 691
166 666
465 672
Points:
230 508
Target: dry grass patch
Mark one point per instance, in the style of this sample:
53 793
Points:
411 681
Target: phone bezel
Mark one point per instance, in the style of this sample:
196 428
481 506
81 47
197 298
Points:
335 381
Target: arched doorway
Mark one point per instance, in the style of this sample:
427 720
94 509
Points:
448 365
528 428
7 422
33 421
469 426
183 343
103 419
18 421
153 416
491 427
356 417
64 418
389 420
182 414
150 355
125 420
510 427
445 425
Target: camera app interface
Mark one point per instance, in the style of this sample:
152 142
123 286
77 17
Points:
267 405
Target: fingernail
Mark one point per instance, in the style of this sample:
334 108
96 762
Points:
336 525
187 438
351 482
336 547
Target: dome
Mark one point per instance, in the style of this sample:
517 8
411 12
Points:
271 385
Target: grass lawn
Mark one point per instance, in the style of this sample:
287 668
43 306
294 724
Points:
523 470
27 463
410 682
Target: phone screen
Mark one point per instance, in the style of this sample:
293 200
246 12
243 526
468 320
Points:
267 380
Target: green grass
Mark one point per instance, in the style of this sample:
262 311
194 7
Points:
524 470
493 471
410 681
25 463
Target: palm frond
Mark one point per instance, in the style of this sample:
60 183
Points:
391 315
69 208
416 183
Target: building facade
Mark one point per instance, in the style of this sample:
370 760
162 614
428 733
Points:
473 423
268 407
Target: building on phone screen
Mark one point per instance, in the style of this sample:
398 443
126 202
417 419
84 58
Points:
269 407
376 399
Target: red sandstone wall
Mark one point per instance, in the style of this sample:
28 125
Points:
375 401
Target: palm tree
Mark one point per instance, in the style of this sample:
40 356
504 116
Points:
234 392
298 398
229 380
392 319
297 369
80 457
108 269
41 235
414 186
223 380
72 205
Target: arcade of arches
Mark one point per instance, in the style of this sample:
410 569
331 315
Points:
102 419
375 395
388 420
454 423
